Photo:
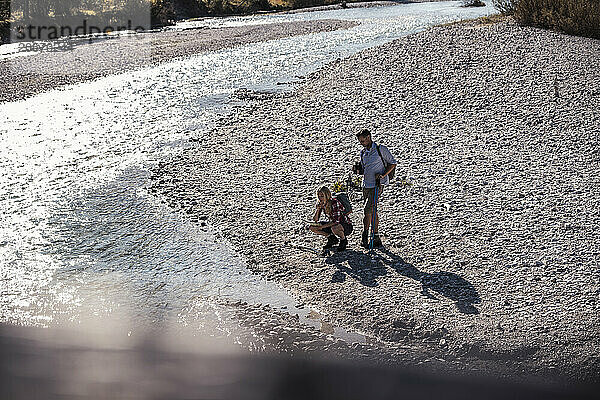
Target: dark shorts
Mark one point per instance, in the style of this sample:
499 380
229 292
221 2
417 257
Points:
368 195
348 228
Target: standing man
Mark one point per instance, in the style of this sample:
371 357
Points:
377 163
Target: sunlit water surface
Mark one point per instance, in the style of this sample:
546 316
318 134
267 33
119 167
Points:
81 238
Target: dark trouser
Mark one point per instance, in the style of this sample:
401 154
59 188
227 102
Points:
348 228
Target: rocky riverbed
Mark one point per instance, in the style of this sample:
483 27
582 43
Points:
25 76
491 250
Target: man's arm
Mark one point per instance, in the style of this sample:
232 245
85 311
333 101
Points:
387 155
389 169
389 159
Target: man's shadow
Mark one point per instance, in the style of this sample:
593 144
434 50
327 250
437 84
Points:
366 268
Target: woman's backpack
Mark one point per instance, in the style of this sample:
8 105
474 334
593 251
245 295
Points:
345 200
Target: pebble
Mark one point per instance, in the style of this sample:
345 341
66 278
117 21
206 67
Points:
513 167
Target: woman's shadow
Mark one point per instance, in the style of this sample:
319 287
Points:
361 267
366 268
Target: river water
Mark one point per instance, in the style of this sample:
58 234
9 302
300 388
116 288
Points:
80 236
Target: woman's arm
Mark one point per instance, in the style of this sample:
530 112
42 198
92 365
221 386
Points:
317 213
336 214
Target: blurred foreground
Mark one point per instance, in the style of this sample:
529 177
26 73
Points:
66 364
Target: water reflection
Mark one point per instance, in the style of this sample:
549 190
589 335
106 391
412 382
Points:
121 241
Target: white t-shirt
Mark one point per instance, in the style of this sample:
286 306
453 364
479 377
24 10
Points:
373 164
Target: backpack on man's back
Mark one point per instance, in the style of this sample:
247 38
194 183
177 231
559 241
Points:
385 164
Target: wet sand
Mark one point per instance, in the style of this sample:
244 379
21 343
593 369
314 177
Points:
491 253
26 76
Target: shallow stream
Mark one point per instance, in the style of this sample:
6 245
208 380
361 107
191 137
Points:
81 238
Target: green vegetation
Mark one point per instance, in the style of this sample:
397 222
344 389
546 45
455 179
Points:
67 13
506 7
166 11
4 20
575 17
4 10
473 3
163 12
492 19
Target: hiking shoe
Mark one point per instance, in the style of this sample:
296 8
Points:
343 245
332 240
365 240
377 241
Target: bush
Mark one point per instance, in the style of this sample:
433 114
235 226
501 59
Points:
4 10
473 3
575 17
506 7
4 32
308 3
258 5
162 12
218 7
191 8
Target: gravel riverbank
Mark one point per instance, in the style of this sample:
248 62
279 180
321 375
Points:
491 254
26 76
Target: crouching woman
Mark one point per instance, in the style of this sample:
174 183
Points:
339 225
